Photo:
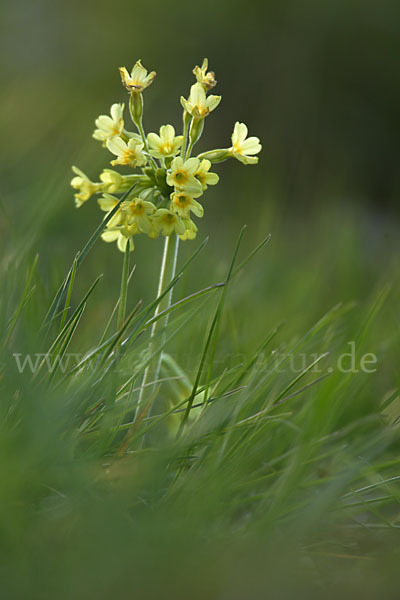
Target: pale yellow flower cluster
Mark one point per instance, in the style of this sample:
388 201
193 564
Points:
165 191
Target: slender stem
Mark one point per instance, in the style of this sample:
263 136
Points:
167 273
189 150
139 125
136 112
186 123
124 288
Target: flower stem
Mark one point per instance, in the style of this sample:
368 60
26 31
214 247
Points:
167 273
124 288
189 150
136 112
186 123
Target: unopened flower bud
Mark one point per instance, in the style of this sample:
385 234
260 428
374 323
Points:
215 156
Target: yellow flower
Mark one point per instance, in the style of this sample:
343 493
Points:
206 79
155 232
109 127
165 144
138 80
203 175
107 203
122 235
167 222
243 148
128 153
191 230
139 211
114 182
198 104
182 203
182 176
87 188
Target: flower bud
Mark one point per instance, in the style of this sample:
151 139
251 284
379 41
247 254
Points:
196 129
215 156
136 107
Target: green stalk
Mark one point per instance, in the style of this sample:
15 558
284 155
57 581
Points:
136 112
124 287
167 274
186 122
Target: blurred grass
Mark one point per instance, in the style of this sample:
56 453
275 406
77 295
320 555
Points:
301 499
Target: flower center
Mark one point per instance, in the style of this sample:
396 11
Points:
137 208
129 156
182 200
201 177
166 148
180 176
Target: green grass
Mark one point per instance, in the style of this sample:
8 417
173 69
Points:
262 468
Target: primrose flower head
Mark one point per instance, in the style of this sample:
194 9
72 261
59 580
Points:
166 144
86 187
182 203
167 222
191 229
204 176
243 148
138 212
198 104
122 234
161 197
182 176
127 153
109 127
138 80
207 80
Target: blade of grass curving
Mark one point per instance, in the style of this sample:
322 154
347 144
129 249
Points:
26 294
213 342
244 262
114 311
80 257
210 336
300 376
65 344
111 346
184 301
327 318
303 389
142 315
248 365
259 246
279 399
69 292
65 329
